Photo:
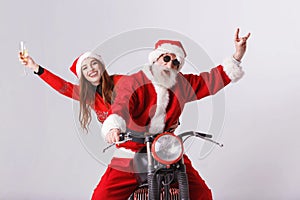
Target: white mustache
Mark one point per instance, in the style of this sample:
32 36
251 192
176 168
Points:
164 76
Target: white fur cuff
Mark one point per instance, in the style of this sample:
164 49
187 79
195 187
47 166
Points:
233 69
113 121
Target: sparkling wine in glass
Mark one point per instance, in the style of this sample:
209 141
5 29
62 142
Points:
24 52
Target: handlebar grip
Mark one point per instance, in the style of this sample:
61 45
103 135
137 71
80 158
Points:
122 136
203 135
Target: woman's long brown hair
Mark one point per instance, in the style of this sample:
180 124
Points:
87 96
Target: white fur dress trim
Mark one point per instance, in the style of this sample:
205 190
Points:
123 153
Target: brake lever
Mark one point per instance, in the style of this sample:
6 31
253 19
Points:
210 140
115 143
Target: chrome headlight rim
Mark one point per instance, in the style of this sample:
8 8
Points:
157 157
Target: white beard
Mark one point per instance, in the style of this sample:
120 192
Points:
164 76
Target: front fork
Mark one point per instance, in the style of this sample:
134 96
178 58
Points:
183 184
153 188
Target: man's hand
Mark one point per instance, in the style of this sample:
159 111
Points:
240 45
113 135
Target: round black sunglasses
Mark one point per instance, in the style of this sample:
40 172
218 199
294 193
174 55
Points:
167 59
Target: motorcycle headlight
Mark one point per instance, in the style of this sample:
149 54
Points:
167 148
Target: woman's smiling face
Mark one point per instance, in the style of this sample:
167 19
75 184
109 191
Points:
92 70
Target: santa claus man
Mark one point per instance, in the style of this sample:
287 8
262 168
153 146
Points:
151 101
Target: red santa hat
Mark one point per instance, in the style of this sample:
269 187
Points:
168 46
76 66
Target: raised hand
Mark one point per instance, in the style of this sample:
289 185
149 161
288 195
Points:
27 61
240 45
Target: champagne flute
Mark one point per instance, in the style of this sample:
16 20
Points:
24 53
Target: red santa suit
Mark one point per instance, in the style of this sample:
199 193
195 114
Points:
142 105
72 91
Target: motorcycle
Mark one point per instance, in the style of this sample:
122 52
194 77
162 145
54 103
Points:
159 165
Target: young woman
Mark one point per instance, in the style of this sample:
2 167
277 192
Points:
95 89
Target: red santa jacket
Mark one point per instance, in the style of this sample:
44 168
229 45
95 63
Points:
143 106
72 91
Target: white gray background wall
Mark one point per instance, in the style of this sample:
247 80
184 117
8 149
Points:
41 154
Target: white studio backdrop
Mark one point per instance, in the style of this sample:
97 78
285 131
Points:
43 155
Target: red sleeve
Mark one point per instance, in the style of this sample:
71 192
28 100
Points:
66 88
207 83
125 90
119 113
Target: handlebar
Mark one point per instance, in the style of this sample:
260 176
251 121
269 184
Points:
129 136
203 136
193 133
